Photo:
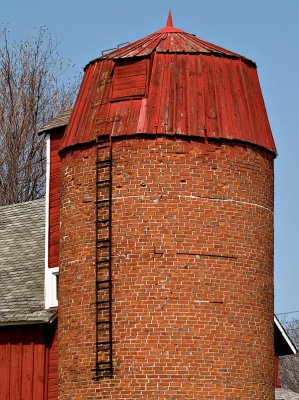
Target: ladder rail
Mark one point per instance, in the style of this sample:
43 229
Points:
103 285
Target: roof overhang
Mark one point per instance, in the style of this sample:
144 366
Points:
52 317
283 344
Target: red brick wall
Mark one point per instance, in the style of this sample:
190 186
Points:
192 272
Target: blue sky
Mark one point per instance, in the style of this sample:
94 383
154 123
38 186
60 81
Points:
266 31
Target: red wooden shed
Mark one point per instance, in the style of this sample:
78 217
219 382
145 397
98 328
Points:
28 332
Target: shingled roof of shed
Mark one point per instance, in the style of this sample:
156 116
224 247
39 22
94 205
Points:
22 263
58 121
284 394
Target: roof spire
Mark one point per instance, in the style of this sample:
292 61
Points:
169 19
169 28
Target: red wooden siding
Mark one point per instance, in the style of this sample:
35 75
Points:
187 95
54 201
28 364
129 79
52 387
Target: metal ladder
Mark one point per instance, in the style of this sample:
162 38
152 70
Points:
104 366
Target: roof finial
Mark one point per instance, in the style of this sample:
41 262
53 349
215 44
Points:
169 19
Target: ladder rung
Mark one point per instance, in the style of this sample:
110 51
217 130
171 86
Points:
102 201
103 322
102 301
103 308
103 261
105 371
101 375
100 282
103 164
103 181
109 342
105 240
99 370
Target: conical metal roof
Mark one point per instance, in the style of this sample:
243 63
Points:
169 40
170 83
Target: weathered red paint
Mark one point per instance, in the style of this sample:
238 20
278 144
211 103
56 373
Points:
54 197
52 373
28 369
171 83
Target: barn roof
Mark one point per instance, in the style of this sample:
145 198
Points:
22 263
283 343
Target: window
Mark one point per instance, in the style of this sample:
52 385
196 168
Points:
129 79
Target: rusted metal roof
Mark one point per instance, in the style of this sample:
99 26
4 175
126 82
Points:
174 84
169 40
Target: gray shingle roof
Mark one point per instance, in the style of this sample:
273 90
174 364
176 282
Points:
284 394
22 263
60 120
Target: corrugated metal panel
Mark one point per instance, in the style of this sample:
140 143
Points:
24 362
194 95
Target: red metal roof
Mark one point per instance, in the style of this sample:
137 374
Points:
168 40
171 83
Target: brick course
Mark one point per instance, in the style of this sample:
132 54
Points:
192 252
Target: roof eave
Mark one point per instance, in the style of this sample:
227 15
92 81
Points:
286 337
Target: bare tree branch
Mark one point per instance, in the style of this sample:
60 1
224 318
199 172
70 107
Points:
289 365
31 93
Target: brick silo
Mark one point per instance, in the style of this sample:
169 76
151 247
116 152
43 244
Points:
166 281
